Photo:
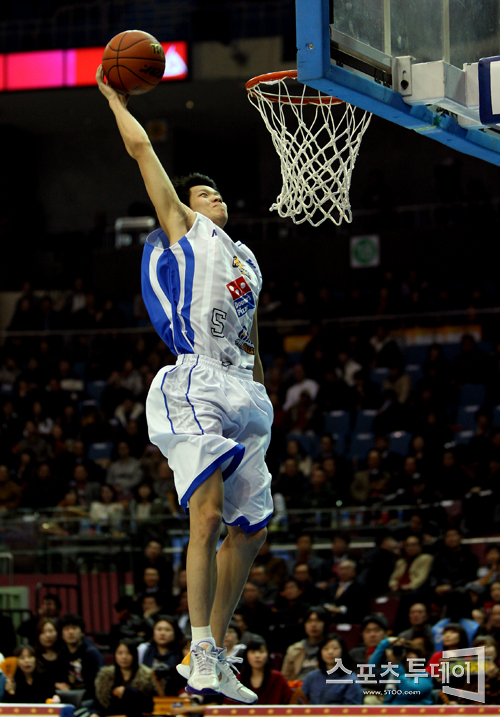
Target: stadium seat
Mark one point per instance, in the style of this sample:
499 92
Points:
337 422
349 633
99 451
361 443
472 394
414 371
466 417
463 437
379 375
364 421
309 442
416 354
387 606
399 442
94 390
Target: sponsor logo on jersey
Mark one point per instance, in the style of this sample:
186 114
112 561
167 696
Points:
243 342
242 295
238 264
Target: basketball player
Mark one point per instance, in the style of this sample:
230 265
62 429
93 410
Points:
209 414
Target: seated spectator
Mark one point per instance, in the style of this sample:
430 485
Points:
309 592
490 571
152 587
275 566
399 382
391 416
493 624
232 639
302 657
258 576
48 646
370 484
129 626
34 444
420 630
126 687
295 451
345 599
319 494
106 513
11 492
28 685
301 383
288 616
373 631
492 671
290 483
153 557
79 661
128 410
325 686
269 685
454 566
454 637
365 394
163 653
145 504
493 598
258 615
398 654
50 608
472 365
340 552
46 490
378 564
412 570
451 482
125 473
305 554
87 491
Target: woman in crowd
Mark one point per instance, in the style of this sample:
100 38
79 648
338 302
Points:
163 652
454 638
47 646
302 657
28 685
334 692
269 685
125 688
106 513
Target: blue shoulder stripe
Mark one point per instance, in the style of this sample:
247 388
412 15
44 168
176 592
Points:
188 289
170 282
156 313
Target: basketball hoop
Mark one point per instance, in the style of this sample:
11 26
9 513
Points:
317 139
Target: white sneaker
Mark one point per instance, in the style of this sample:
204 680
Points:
230 686
203 670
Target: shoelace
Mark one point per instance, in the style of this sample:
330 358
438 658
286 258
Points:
202 658
231 660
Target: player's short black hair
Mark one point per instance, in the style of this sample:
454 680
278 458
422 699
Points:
182 185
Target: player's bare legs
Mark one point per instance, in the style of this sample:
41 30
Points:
205 519
234 560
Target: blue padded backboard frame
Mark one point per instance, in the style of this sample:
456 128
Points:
314 68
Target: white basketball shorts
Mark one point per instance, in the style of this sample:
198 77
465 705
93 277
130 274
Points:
203 415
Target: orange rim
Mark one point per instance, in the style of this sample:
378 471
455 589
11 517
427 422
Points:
253 88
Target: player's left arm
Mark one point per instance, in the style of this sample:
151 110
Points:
258 371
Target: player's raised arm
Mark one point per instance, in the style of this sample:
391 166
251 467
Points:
175 217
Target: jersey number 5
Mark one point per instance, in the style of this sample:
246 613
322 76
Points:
218 317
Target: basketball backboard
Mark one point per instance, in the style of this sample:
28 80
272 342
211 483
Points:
429 65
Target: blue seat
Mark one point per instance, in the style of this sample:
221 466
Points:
414 371
466 417
99 451
472 394
94 390
379 375
463 437
309 442
337 422
361 443
416 354
399 442
364 421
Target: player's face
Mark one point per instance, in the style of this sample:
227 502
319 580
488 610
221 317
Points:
208 202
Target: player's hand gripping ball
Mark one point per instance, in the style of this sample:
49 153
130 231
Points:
133 62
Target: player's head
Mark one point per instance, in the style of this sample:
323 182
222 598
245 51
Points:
201 194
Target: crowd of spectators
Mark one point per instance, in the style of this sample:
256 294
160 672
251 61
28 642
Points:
302 619
73 442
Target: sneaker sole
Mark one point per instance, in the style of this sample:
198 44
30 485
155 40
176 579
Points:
237 699
203 691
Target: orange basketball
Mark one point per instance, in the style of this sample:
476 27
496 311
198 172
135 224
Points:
133 62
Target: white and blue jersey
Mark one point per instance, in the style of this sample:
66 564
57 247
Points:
207 412
201 292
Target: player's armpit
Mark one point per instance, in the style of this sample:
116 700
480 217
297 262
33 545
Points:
175 217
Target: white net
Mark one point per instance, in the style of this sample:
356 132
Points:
317 139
